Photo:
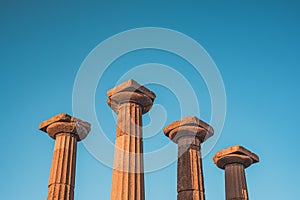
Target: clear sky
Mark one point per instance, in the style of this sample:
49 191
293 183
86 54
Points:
254 44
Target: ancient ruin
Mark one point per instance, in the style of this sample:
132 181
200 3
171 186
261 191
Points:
67 131
234 160
130 101
188 134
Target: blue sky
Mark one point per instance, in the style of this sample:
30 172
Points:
254 44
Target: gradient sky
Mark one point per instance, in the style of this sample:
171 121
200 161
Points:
255 45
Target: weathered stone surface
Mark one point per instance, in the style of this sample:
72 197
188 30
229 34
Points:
62 174
129 100
235 182
67 131
130 92
234 160
188 126
188 134
190 182
235 154
189 195
131 86
64 123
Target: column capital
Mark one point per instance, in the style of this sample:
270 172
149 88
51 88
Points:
189 126
130 92
235 154
64 123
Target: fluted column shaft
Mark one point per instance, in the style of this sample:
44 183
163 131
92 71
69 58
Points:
130 101
188 133
128 176
190 183
62 175
235 182
67 131
234 160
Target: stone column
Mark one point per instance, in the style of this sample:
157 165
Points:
67 131
129 100
234 160
188 134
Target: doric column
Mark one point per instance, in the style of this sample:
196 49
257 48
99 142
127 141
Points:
129 100
189 133
234 160
67 131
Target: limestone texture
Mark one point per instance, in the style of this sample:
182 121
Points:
130 91
67 131
129 100
188 133
234 160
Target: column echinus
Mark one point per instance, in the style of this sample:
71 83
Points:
188 133
234 160
67 131
129 100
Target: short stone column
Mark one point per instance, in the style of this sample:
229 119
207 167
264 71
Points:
234 160
129 100
67 131
189 133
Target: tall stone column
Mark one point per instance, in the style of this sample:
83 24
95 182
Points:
129 100
188 134
67 131
234 160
